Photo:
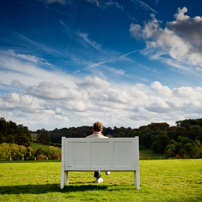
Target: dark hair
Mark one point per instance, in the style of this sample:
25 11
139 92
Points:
97 127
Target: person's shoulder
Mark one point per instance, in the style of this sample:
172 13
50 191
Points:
89 136
102 136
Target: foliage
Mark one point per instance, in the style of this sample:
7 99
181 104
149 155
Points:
176 141
5 152
10 132
160 137
19 152
54 152
43 137
83 131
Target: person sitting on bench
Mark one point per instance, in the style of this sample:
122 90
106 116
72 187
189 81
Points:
97 133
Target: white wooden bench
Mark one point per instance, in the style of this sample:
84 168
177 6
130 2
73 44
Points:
100 154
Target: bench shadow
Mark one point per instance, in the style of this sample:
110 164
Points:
46 188
41 189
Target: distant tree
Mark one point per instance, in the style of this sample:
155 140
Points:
145 136
10 139
3 127
169 153
5 152
185 140
43 137
160 142
23 136
188 149
29 153
195 132
158 126
2 138
180 131
17 151
172 148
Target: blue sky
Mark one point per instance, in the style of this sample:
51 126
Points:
67 63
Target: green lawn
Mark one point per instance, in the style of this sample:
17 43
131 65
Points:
36 146
160 180
149 154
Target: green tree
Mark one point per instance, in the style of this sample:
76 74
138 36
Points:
169 153
188 149
196 148
17 151
22 139
29 153
146 137
195 132
160 142
5 152
54 152
180 131
43 137
172 147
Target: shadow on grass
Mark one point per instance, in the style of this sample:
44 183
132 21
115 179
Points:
41 189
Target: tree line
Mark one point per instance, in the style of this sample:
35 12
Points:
15 143
180 141
10 132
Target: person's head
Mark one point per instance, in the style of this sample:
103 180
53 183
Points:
97 127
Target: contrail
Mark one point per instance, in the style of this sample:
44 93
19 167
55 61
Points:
144 5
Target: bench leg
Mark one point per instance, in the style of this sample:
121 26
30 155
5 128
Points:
62 180
137 179
66 178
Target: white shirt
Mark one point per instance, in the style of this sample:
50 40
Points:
96 135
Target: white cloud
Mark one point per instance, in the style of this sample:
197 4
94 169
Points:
136 31
27 73
161 90
136 106
51 99
180 41
30 58
95 82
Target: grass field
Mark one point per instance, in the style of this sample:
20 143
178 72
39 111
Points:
149 154
36 146
160 180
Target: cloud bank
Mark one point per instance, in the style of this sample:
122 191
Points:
179 44
57 99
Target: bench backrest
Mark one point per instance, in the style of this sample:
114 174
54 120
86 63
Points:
103 154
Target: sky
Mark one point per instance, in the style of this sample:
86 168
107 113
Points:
69 63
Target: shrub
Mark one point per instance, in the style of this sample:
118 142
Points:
185 156
13 151
54 152
41 157
5 152
56 156
177 156
29 153
169 153
17 152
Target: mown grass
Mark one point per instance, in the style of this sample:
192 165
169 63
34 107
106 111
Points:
149 154
36 146
160 180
